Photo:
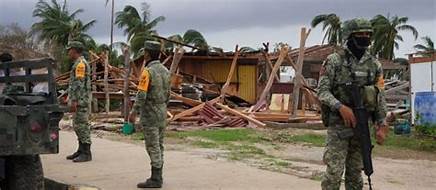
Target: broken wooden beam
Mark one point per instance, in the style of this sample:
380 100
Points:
192 110
231 72
237 113
296 91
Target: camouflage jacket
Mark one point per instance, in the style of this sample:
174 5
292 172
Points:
153 92
80 83
336 73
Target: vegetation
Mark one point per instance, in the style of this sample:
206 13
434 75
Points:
225 138
57 25
14 36
427 49
332 25
190 37
138 27
386 34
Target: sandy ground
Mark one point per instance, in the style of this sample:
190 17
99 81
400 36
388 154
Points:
120 165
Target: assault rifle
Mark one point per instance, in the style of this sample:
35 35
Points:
361 131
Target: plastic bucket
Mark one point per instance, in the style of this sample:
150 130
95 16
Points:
425 107
402 127
128 128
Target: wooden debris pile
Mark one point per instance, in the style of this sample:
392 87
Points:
218 109
214 113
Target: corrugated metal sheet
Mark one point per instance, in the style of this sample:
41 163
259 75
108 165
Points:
247 85
218 71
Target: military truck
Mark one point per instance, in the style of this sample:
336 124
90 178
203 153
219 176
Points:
29 122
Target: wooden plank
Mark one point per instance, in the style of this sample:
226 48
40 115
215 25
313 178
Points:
176 59
397 88
300 61
268 61
185 100
231 72
266 90
237 113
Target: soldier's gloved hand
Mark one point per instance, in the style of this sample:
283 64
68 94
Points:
73 107
348 116
381 132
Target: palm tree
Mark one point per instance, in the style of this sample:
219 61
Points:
58 25
191 37
332 25
138 27
427 49
386 35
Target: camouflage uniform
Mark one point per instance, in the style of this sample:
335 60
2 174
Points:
151 103
344 153
80 91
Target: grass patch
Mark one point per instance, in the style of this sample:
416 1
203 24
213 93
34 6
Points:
410 142
240 152
312 139
139 136
221 135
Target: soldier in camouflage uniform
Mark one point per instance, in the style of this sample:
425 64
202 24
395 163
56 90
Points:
79 93
342 150
151 103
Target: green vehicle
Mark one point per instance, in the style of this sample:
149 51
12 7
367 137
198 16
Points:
29 122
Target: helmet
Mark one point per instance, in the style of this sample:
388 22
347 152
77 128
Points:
355 25
76 45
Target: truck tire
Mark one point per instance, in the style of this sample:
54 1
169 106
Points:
23 173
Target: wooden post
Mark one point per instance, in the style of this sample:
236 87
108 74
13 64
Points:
106 85
94 87
126 83
178 54
296 90
268 61
266 90
231 72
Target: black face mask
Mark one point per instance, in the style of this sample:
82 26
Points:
361 42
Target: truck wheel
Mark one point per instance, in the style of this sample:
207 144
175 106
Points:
23 173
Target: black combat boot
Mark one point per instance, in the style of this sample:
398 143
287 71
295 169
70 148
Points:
77 153
86 155
155 181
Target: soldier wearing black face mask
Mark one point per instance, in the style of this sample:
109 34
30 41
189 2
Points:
358 43
352 64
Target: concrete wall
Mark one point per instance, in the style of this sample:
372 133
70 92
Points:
420 80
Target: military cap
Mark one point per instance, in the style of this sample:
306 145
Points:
148 45
151 45
76 45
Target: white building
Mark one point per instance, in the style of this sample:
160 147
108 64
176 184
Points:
422 77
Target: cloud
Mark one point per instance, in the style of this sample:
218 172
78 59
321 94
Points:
229 21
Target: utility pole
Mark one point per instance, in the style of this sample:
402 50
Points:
112 25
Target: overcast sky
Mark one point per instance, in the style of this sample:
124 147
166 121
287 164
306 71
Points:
226 23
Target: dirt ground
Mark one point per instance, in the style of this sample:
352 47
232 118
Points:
393 169
403 170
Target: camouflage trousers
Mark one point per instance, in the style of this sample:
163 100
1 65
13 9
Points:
81 125
154 136
339 155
